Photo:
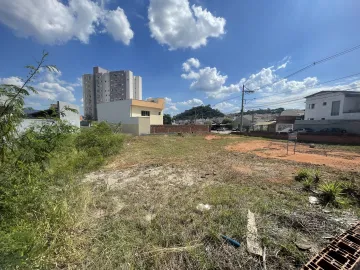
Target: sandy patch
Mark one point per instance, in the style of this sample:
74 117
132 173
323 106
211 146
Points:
212 137
339 159
243 169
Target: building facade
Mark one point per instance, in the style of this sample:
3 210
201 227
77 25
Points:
333 105
105 86
135 116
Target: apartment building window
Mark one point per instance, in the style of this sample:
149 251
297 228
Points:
335 108
145 113
324 103
310 118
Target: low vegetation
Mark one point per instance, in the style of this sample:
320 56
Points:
44 205
87 200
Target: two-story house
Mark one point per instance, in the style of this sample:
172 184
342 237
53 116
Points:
333 105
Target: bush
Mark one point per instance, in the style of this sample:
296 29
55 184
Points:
307 183
42 201
99 139
303 174
331 192
312 176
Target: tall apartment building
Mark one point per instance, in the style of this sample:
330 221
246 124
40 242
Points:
106 86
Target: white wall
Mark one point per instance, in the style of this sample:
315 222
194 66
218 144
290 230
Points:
27 123
115 112
129 84
324 111
72 117
137 87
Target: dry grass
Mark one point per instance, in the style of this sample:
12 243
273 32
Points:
149 220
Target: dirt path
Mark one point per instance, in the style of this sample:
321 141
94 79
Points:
339 159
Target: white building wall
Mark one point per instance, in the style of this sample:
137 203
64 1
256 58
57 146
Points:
137 87
71 117
115 112
129 84
88 95
324 111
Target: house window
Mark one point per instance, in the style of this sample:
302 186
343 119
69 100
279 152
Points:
311 106
310 118
322 118
324 103
335 108
145 113
159 113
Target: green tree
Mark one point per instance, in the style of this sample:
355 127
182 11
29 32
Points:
226 121
12 109
167 119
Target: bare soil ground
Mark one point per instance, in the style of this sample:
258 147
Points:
147 214
269 149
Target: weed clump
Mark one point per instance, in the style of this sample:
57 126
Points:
303 174
331 192
308 183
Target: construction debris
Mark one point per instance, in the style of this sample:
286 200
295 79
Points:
203 207
303 244
342 253
252 239
231 241
313 200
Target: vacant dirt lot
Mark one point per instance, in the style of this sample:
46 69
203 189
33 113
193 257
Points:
147 214
269 149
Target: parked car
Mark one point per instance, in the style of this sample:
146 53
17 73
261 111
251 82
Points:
304 130
285 131
333 130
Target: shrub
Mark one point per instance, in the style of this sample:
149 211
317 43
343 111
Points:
307 183
317 175
331 192
99 138
303 174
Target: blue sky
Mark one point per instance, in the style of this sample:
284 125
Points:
191 52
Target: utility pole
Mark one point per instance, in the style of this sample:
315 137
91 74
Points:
242 108
242 105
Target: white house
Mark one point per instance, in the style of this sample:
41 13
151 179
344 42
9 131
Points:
135 116
333 105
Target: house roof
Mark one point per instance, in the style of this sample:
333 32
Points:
292 113
347 93
264 123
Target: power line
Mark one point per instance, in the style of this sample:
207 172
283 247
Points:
297 99
317 85
290 101
311 65
314 86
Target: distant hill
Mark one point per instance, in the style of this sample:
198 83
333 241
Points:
266 111
199 112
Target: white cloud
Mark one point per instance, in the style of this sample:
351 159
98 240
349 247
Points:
207 79
286 93
174 23
53 22
12 80
227 107
175 107
49 86
191 62
118 26
192 102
